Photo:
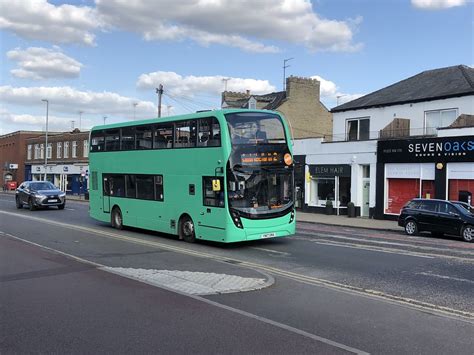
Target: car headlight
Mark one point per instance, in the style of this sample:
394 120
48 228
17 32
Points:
39 196
62 194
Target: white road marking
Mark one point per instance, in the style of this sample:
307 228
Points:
271 251
69 209
444 277
213 303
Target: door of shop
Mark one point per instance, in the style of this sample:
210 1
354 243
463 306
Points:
365 198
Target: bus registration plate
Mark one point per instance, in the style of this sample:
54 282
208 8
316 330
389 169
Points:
268 235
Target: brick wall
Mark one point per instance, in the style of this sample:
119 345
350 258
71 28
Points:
307 115
13 151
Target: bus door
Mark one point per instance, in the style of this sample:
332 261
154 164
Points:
106 194
212 213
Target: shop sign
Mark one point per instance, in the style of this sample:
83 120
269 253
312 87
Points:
427 149
330 170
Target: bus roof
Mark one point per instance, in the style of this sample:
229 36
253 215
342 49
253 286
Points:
199 114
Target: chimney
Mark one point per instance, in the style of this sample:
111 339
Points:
295 85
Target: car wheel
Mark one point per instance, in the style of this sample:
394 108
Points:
468 233
186 230
31 204
19 205
61 207
411 228
116 218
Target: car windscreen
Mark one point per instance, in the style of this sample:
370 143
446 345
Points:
43 185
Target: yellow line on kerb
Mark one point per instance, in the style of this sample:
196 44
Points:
288 274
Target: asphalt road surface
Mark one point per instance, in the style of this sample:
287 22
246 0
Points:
326 290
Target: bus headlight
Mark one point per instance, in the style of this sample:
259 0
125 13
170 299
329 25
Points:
236 219
292 217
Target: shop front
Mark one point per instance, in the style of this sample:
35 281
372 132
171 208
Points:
71 178
441 168
329 185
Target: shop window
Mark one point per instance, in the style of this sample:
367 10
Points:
400 191
325 189
461 190
358 129
143 137
213 190
427 189
344 191
438 118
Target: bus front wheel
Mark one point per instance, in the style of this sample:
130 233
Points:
116 218
186 229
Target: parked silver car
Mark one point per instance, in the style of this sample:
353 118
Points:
39 194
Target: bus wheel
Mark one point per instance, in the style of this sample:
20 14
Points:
186 230
116 218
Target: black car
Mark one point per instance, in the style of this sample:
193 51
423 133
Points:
39 194
438 217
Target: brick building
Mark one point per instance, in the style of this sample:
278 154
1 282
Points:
300 104
13 155
68 160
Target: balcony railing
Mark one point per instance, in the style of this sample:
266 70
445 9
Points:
382 134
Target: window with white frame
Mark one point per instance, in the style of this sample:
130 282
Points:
37 151
49 151
357 129
66 149
41 151
74 149
439 118
59 150
85 151
29 151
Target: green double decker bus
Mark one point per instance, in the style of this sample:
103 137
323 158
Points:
225 176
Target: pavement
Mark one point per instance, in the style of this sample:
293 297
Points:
356 222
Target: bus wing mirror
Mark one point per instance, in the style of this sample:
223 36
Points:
219 170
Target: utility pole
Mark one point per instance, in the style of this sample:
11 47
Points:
46 139
80 119
284 71
159 91
105 117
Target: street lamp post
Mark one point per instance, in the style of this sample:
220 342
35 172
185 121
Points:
80 119
46 139
105 117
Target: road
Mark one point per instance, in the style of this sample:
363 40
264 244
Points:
326 290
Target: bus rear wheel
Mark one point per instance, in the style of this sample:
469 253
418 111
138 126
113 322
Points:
116 218
186 229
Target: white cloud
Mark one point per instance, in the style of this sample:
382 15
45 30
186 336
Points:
42 63
243 24
178 85
65 104
40 20
437 4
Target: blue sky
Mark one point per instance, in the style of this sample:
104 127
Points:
105 57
